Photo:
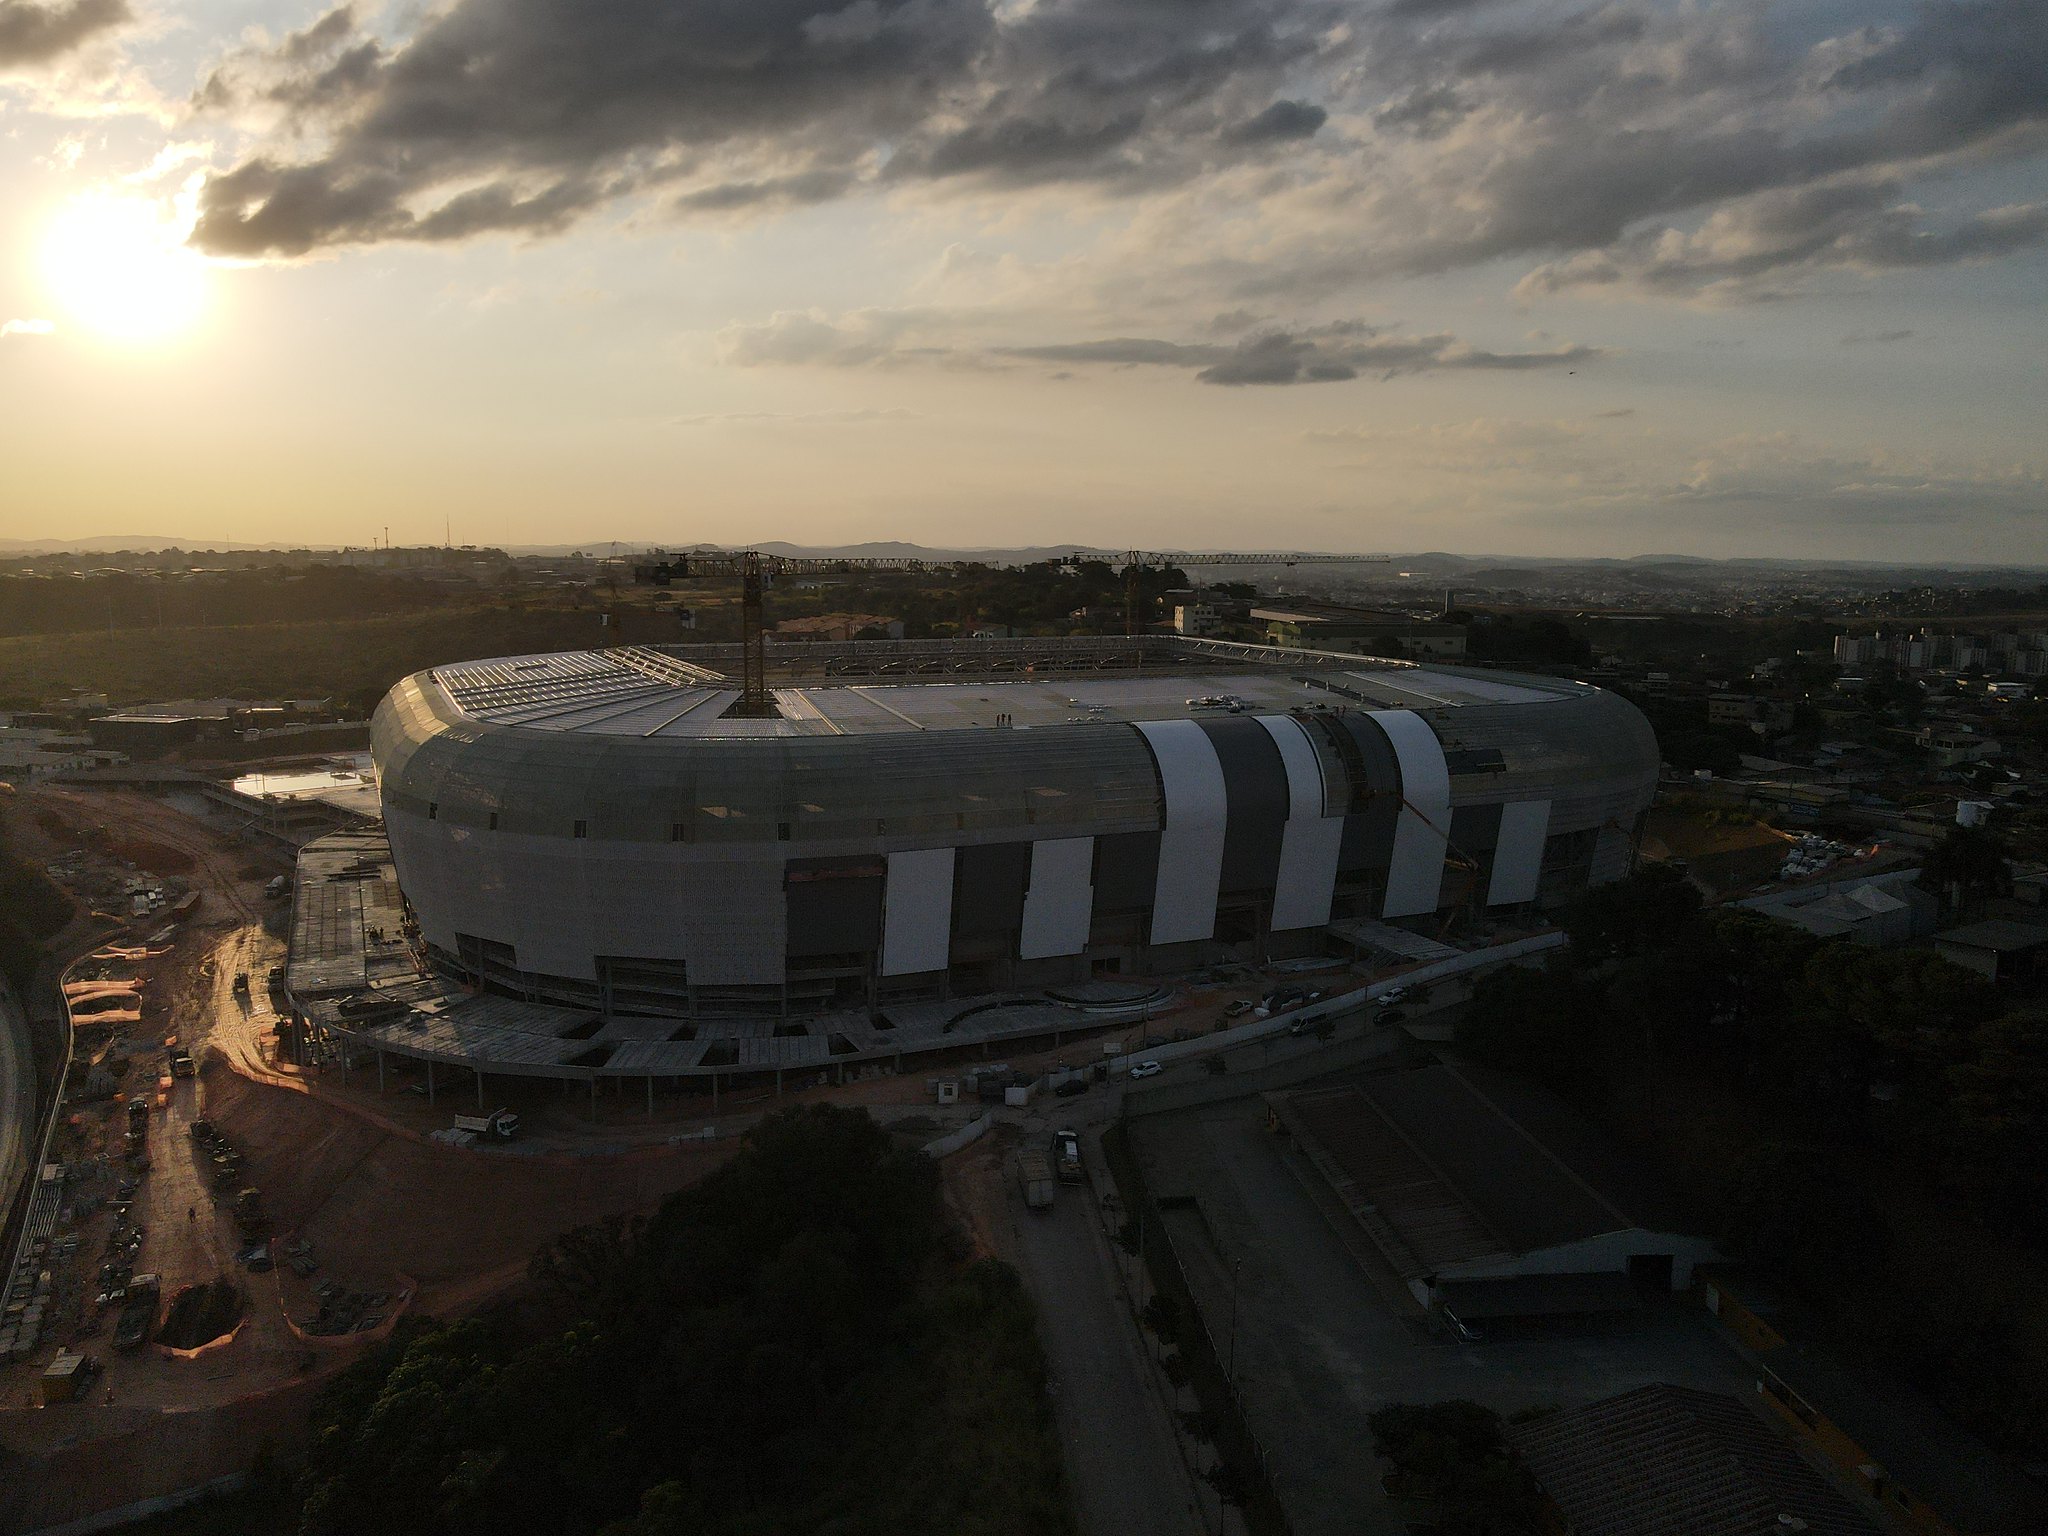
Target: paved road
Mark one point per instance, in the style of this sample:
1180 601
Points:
1321 1342
1122 1460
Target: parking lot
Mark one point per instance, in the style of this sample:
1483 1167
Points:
1321 1341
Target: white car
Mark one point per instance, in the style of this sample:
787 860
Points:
1146 1069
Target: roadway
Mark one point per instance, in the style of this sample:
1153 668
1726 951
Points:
1122 1455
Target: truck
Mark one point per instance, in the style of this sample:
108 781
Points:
138 1313
1034 1174
181 1063
498 1125
1066 1155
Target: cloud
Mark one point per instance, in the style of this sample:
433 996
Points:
1754 248
530 113
1282 121
27 328
1875 338
34 34
858 417
1320 354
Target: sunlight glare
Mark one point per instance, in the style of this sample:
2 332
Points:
119 267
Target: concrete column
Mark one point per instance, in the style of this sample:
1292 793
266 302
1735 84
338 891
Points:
430 1079
593 1096
380 1072
714 1095
479 1088
650 1096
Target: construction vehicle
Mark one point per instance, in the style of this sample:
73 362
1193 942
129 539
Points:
138 1312
1034 1176
498 1125
1066 1155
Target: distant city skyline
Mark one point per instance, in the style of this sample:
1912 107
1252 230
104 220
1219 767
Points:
1518 279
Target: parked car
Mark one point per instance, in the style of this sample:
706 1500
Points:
1146 1069
1070 1087
1239 1009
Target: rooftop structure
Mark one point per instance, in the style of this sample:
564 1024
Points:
929 819
1673 1461
1485 1192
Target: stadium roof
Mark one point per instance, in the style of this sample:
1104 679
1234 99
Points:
887 687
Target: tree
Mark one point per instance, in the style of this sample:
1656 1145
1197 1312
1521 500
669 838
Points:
1790 1209
1966 866
1543 1023
1653 909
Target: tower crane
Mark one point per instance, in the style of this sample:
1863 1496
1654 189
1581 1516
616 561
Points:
755 571
1137 561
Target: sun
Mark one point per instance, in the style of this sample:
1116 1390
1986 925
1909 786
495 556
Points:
120 268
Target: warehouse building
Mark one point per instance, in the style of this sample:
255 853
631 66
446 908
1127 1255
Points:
1488 1196
598 829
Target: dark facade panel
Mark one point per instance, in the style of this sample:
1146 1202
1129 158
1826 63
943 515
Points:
1255 791
1126 871
1475 829
989 882
835 905
1376 793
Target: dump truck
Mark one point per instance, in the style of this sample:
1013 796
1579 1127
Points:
498 1125
1034 1174
138 1313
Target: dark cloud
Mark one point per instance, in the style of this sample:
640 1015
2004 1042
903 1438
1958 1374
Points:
1279 123
1325 354
32 34
535 106
1631 146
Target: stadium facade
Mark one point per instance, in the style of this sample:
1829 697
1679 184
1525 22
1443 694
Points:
594 829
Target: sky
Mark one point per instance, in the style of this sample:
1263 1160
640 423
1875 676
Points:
1525 277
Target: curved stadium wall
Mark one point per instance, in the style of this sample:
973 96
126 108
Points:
739 870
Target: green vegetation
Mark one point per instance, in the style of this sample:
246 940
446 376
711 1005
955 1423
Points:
353 660
1455 1455
783 1348
32 910
1870 1125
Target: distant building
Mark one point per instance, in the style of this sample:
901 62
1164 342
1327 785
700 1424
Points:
1997 950
1674 1461
2020 653
839 626
1201 621
1874 910
1357 631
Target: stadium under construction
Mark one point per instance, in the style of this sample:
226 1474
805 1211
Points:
592 864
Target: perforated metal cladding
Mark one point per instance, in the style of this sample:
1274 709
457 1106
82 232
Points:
1592 755
900 789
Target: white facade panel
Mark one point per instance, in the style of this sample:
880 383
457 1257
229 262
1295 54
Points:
1518 852
1415 873
1310 841
1060 899
917 911
1191 843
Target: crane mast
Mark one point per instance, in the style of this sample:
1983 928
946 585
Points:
756 570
